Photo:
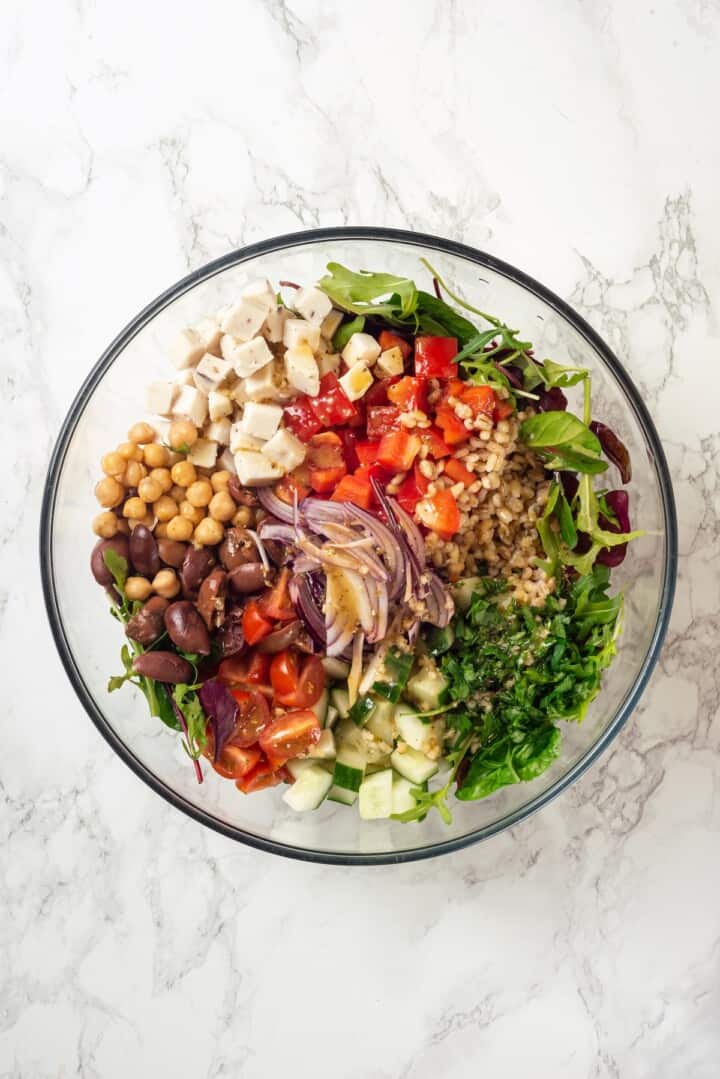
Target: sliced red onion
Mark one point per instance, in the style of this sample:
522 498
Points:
260 549
270 529
438 602
301 593
274 505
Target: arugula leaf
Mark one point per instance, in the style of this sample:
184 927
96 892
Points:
345 331
188 701
556 374
366 293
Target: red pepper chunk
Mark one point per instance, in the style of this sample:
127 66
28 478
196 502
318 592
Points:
411 490
409 394
453 429
457 472
398 450
332 406
503 409
356 489
481 399
300 418
434 356
436 445
388 339
440 513
381 419
326 462
367 451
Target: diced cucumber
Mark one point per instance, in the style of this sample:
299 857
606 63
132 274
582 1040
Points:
361 710
332 716
378 765
381 722
375 795
418 733
308 790
413 765
324 748
425 688
349 769
464 590
402 799
336 669
299 765
340 699
339 794
320 708
347 735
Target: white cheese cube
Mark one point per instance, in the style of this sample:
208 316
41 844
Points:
302 370
330 324
312 304
227 461
213 369
260 292
241 440
260 386
219 431
243 319
390 362
192 403
285 450
255 469
203 453
299 332
186 349
250 357
361 348
356 382
261 421
159 397
209 333
219 405
274 324
328 362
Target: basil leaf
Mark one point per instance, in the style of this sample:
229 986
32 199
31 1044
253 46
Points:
557 429
452 323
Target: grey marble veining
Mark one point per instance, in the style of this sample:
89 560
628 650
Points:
573 139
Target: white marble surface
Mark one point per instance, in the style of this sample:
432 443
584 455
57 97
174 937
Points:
575 139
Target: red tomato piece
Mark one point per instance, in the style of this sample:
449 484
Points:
409 394
276 602
301 419
453 429
398 450
436 445
388 339
440 513
332 406
503 409
235 762
434 356
290 736
356 489
296 685
367 451
245 670
381 419
255 625
481 399
262 775
252 718
457 472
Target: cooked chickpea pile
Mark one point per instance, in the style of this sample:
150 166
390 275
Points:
147 483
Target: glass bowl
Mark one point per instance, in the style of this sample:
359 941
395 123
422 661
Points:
89 640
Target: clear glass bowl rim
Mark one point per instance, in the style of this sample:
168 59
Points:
318 236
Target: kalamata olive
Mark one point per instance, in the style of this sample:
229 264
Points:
163 667
186 628
211 597
247 578
147 625
242 495
279 553
280 639
172 552
100 572
197 563
144 551
237 548
230 635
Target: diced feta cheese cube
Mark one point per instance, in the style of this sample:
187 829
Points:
299 332
219 405
260 292
186 349
328 362
192 403
203 453
261 421
285 450
260 386
312 304
274 324
243 319
390 362
254 469
241 440
213 369
330 324
159 397
219 431
249 357
302 370
361 348
356 382
209 333
227 461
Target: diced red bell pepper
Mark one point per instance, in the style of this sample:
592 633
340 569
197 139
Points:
453 429
436 445
378 392
409 394
382 419
481 399
457 472
388 339
349 444
288 487
411 490
503 409
325 480
367 451
332 406
300 418
255 625
398 450
434 356
325 461
440 513
356 489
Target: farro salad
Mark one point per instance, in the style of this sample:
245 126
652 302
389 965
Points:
363 548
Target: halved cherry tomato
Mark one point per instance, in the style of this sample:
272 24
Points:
378 392
367 451
434 356
301 419
245 670
276 603
398 450
481 399
453 429
503 409
235 762
294 685
289 736
388 339
288 487
356 489
252 718
409 394
261 776
285 673
381 419
254 624
457 472
440 513
332 406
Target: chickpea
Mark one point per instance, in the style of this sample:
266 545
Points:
163 477
183 473
141 433
134 473
113 464
160 530
199 493
208 532
148 520
178 493
130 451
166 584
222 507
134 508
182 433
165 508
109 492
149 489
155 455
243 517
137 588
180 528
105 525
193 513
173 458
220 480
